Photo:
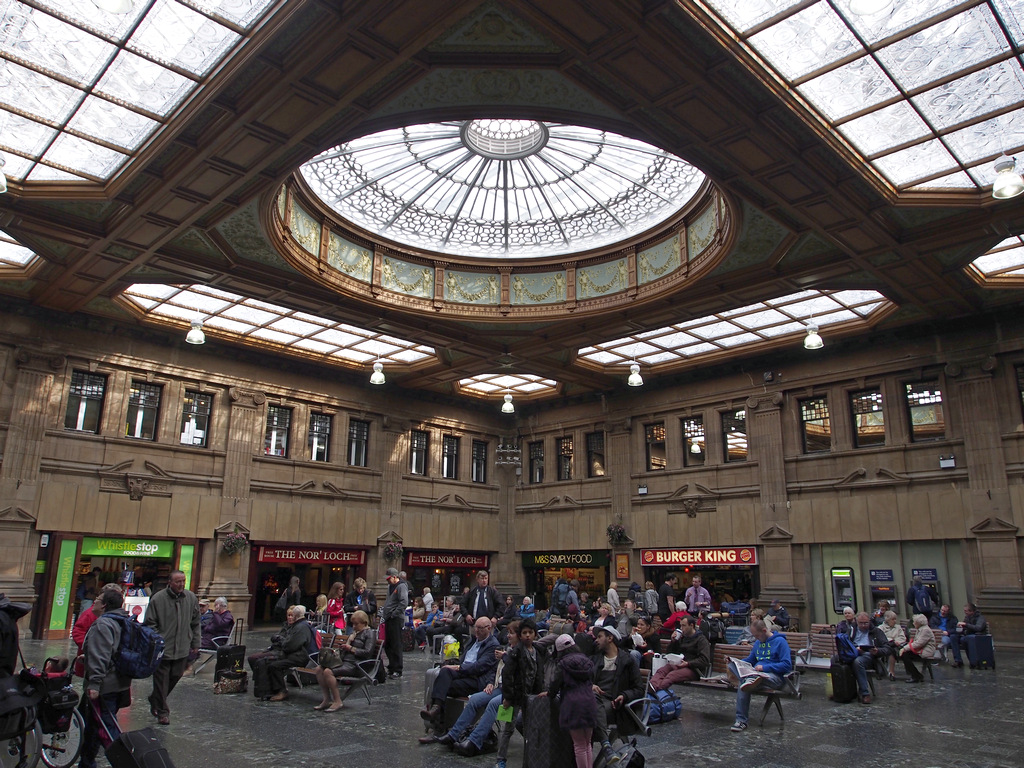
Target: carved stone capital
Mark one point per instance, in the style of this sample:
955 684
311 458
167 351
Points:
246 398
764 402
37 359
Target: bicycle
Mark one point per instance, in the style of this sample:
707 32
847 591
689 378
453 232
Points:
57 733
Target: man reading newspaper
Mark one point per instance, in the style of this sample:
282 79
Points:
767 665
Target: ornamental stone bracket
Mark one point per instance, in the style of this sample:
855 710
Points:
231 526
246 398
37 359
860 476
994 528
389 537
15 515
114 480
691 506
764 401
776 535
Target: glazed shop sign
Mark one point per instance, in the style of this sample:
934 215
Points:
716 556
310 555
565 559
113 547
442 560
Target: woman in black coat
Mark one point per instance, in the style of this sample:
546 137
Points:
578 710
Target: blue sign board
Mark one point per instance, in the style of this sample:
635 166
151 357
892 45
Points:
881 575
926 574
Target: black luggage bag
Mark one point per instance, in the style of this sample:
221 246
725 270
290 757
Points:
980 651
230 658
138 749
547 745
844 682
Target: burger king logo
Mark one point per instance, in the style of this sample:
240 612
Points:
746 555
648 556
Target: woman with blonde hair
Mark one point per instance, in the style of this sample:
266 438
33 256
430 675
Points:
359 647
921 646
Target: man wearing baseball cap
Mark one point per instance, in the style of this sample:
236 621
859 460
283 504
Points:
393 615
617 682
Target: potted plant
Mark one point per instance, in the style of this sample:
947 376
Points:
234 543
392 551
617 534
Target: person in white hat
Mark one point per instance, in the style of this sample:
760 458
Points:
617 682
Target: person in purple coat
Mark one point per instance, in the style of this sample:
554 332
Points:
220 624
578 711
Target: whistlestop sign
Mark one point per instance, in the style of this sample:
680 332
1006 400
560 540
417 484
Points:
714 556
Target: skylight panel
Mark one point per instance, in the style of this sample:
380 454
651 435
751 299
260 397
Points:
987 138
49 44
177 35
916 162
144 84
850 88
13 253
516 384
806 41
885 128
979 93
112 123
36 94
254 321
86 156
32 136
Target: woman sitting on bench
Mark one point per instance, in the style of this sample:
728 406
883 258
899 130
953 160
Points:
358 647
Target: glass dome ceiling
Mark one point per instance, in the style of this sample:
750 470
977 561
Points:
502 188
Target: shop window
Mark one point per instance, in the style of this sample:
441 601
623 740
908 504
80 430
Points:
85 402
450 457
275 442
319 436
565 458
816 424
694 442
479 461
143 406
868 418
358 440
536 451
924 406
195 418
595 454
654 435
734 435
418 452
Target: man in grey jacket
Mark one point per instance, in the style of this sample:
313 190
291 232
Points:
393 614
174 613
105 690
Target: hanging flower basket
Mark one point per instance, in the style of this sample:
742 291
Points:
234 543
392 551
617 534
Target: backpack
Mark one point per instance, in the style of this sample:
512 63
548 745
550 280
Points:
560 599
140 650
715 628
922 600
665 706
846 651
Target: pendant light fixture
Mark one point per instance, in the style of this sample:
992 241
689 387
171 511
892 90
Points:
377 377
635 379
195 334
1008 182
812 340
507 406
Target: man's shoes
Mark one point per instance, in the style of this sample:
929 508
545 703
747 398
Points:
433 712
914 680
434 739
446 740
611 757
164 720
500 764
865 699
394 675
738 726
279 696
957 664
152 707
467 749
750 683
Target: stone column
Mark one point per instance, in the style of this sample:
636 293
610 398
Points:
506 572
619 434
19 472
392 455
229 574
995 559
764 434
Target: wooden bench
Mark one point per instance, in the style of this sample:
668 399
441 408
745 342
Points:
718 680
818 652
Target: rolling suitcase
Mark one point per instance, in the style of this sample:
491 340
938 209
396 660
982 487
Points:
844 682
980 651
138 749
230 658
547 745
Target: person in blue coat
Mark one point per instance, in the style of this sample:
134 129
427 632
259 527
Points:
770 656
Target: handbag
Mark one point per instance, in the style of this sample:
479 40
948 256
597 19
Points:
329 658
230 681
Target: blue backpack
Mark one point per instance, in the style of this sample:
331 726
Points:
665 706
845 649
560 599
141 648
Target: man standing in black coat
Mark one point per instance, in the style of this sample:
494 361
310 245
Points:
482 600
667 597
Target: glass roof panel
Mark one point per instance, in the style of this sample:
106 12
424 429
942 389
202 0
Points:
771 319
56 53
261 322
1005 259
514 384
934 89
502 188
13 253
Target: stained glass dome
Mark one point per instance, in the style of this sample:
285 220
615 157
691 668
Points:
502 188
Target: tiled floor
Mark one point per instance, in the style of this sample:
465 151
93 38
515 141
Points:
963 718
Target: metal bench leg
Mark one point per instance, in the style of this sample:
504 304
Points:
768 701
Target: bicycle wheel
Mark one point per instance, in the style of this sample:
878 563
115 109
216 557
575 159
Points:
59 750
10 754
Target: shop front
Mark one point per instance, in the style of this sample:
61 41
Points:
730 574
81 566
446 573
317 568
544 568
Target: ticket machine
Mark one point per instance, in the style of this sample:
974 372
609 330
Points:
844 589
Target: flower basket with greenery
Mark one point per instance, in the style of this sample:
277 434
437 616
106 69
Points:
617 534
234 543
392 551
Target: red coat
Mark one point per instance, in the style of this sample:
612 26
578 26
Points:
78 634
